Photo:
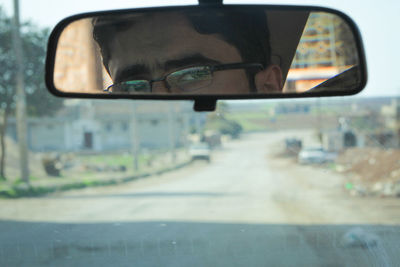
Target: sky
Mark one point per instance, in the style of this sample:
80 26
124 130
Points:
378 22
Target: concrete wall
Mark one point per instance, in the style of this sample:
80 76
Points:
47 136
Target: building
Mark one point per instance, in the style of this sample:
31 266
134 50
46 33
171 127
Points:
102 125
325 50
391 117
290 109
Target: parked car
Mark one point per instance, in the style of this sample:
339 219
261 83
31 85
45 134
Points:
200 151
293 146
315 155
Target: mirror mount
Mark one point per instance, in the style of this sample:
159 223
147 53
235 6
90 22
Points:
210 2
205 104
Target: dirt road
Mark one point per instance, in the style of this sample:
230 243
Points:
248 207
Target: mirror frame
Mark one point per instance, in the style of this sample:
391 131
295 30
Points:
205 100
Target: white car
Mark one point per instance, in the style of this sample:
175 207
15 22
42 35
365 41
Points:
200 151
315 155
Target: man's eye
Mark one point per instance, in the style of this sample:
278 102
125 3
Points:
191 79
188 77
131 87
196 75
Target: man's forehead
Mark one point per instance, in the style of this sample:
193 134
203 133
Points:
150 41
153 40
154 32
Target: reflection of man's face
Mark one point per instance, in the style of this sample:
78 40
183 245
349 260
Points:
156 46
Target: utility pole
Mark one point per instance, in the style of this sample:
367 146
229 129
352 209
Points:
198 124
20 97
186 132
171 131
319 120
135 138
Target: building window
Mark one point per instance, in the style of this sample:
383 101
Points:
124 126
108 127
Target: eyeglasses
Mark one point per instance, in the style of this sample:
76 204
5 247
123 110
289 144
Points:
184 80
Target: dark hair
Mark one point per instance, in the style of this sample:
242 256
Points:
247 31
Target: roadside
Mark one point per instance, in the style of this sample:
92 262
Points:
371 171
366 171
92 170
318 193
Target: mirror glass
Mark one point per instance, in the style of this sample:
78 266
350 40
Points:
207 51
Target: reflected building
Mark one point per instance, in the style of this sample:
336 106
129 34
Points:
326 49
78 64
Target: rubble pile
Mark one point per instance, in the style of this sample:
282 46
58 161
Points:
371 171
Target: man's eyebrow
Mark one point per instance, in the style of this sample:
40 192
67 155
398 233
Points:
130 71
189 60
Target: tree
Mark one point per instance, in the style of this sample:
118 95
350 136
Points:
39 101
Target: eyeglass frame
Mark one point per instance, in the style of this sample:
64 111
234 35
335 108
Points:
213 68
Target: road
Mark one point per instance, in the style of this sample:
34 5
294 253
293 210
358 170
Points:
248 207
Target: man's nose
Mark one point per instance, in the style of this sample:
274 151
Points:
159 87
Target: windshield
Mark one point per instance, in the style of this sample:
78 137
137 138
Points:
112 182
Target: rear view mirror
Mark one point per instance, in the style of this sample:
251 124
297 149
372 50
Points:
219 52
